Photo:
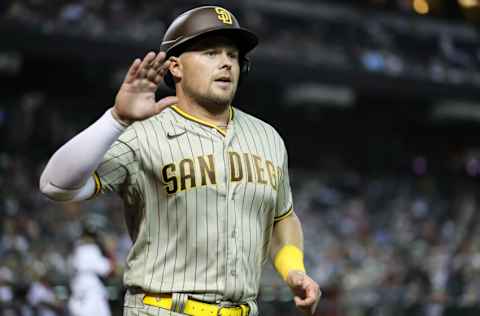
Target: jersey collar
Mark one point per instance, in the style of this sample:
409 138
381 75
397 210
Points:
200 121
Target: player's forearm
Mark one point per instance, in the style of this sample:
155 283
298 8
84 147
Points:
287 245
72 165
285 232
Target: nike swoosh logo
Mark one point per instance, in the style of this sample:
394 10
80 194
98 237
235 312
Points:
172 136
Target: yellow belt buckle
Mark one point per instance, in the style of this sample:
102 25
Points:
219 312
243 310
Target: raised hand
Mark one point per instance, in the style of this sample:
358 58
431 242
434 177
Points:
306 290
135 100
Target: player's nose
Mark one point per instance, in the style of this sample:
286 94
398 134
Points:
226 59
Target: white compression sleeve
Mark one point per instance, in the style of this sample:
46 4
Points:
68 195
67 176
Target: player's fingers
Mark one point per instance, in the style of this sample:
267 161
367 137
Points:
308 287
142 73
312 290
151 74
308 293
298 291
308 301
297 300
149 58
160 73
132 71
158 61
296 284
162 69
300 282
156 69
145 65
158 79
307 309
156 76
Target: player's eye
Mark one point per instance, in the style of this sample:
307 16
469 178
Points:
233 55
210 52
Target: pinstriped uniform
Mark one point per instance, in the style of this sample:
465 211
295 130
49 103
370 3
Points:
200 202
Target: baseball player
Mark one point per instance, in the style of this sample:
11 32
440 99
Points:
205 185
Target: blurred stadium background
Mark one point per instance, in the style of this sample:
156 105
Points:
378 102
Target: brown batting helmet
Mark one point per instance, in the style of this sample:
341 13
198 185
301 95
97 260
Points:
203 21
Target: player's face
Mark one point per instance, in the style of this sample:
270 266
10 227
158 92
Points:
210 71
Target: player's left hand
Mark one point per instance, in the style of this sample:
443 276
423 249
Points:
306 290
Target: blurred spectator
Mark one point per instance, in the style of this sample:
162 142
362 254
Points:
89 295
6 288
42 299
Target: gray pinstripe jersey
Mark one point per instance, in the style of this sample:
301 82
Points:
200 202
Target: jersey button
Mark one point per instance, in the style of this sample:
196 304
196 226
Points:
233 273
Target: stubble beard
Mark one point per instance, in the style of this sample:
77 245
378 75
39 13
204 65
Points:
211 98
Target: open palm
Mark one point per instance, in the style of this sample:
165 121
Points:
135 99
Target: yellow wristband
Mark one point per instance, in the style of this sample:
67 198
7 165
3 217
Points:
288 258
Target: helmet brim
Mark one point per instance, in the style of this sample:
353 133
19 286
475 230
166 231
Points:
245 40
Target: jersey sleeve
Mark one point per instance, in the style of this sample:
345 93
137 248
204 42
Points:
119 166
284 205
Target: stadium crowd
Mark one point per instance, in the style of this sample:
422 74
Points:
378 243
370 44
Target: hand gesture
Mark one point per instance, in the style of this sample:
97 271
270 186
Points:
135 101
307 292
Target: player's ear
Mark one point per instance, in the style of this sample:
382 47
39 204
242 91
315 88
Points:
175 67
